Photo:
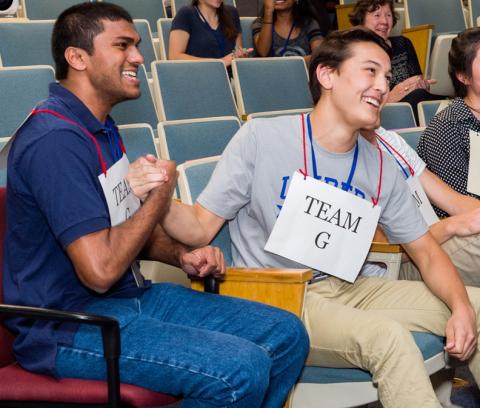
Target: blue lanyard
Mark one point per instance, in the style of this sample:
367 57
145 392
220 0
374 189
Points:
284 48
219 38
395 157
345 187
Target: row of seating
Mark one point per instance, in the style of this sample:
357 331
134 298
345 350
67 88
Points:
195 89
27 42
150 10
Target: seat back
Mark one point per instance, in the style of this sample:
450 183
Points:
412 135
474 12
271 84
21 89
141 110
150 10
26 43
439 65
193 177
146 46
246 24
192 89
446 15
397 115
428 109
6 338
138 140
47 9
195 139
178 4
163 26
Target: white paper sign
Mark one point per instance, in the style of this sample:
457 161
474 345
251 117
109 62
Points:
122 203
422 201
324 227
473 182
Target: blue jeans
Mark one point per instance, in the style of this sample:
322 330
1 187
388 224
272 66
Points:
215 351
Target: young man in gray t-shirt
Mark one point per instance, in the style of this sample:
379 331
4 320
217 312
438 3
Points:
362 324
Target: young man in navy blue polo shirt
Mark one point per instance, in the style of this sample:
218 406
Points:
66 182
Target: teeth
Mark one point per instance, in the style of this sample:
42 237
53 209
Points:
372 101
131 74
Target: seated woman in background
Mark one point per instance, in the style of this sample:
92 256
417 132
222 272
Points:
285 29
407 84
450 144
206 29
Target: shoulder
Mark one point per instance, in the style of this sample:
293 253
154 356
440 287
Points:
184 15
257 23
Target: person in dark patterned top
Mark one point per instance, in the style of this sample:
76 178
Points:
445 144
408 83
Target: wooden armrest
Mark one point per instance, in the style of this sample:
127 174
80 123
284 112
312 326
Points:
385 247
342 11
418 28
283 288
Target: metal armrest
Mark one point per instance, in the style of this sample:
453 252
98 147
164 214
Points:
283 288
110 337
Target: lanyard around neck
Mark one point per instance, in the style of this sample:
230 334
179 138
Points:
218 36
345 187
389 149
97 146
285 45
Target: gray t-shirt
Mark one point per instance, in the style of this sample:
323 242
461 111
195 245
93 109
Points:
299 46
251 181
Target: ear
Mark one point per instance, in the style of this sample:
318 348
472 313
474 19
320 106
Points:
463 78
325 76
76 58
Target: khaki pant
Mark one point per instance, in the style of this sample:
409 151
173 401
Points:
465 255
367 324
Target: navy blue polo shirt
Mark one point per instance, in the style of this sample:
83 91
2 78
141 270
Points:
53 198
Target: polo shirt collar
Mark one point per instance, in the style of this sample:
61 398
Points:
74 104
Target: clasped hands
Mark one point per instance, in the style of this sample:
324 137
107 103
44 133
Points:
148 173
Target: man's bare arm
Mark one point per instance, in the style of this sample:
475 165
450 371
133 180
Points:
442 279
101 258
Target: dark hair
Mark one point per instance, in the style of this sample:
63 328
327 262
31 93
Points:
77 26
335 49
460 58
302 13
362 7
225 21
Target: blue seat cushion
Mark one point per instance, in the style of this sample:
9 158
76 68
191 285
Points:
429 345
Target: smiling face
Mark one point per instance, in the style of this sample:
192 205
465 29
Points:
215 4
359 87
380 21
283 4
112 68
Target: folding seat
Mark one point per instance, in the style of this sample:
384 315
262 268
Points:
270 84
150 10
22 88
163 26
46 9
138 140
397 115
184 140
428 109
192 89
412 135
140 110
26 42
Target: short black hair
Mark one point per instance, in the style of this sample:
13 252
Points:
77 26
460 58
336 48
